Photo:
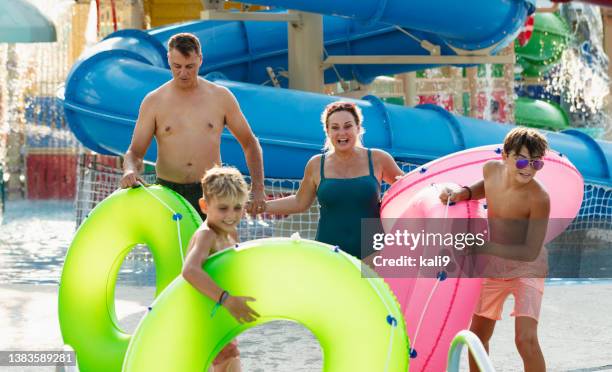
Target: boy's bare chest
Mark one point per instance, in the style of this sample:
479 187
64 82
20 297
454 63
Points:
223 243
506 204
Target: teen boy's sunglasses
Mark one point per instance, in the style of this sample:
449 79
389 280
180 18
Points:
536 164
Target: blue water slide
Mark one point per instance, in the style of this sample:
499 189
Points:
469 25
243 50
105 87
287 123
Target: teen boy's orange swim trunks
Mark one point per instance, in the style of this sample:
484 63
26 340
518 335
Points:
527 294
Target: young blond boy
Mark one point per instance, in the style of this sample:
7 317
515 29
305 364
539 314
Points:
225 194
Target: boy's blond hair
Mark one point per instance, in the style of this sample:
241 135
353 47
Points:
223 182
518 137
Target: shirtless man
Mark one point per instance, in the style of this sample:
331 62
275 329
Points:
186 116
518 210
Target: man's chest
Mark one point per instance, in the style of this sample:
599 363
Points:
189 121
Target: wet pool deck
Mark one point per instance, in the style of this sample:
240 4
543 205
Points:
575 326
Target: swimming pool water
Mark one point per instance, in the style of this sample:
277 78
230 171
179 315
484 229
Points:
35 235
34 238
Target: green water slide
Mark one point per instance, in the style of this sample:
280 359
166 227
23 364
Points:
540 114
549 39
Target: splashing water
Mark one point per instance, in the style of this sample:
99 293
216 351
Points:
30 115
582 87
486 86
581 78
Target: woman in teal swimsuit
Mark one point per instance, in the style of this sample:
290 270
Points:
346 179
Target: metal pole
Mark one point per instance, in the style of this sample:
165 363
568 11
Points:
409 83
306 52
472 77
509 84
457 90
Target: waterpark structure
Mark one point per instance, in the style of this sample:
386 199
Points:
106 85
101 108
263 53
416 70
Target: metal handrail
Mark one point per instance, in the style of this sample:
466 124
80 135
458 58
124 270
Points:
475 347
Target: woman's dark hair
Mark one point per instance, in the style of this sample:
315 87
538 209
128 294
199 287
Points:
349 107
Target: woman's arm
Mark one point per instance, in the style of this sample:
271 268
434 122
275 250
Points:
303 198
390 170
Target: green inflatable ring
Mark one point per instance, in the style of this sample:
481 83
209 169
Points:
356 320
87 289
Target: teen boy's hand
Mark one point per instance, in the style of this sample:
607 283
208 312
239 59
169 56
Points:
454 195
237 306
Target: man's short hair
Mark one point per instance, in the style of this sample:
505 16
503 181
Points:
185 43
518 137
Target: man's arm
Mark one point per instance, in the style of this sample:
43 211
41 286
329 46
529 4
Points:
141 140
239 127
